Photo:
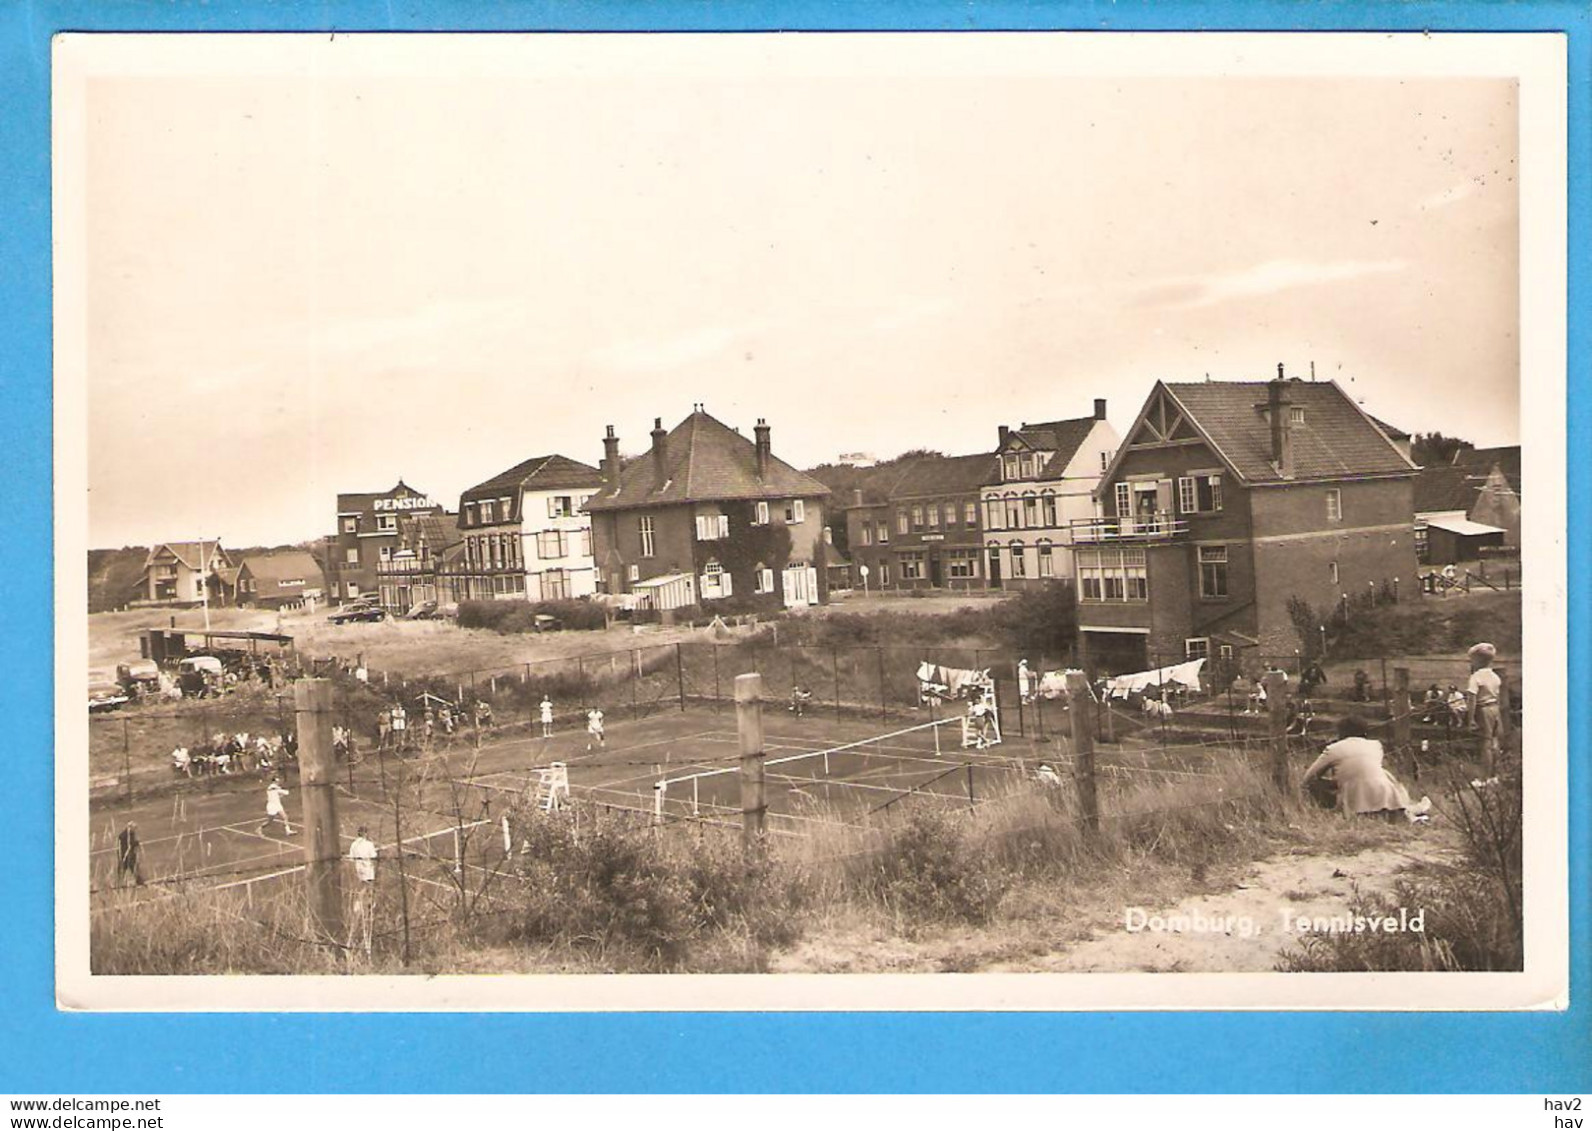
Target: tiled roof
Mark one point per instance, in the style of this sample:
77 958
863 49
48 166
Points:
705 460
1337 439
540 473
1481 461
942 475
438 530
1063 437
191 554
1393 431
1444 489
350 501
288 565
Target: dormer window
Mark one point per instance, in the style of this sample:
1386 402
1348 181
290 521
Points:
1296 416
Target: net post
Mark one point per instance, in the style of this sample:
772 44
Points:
323 851
749 728
1079 704
1276 684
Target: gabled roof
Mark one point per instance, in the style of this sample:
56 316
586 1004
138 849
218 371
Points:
1480 462
1336 441
1391 431
706 460
1444 489
194 555
286 565
941 475
539 473
1064 437
438 530
350 501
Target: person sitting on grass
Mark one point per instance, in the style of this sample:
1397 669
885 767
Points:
799 698
1362 786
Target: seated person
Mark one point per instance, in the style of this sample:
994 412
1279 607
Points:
1363 787
799 698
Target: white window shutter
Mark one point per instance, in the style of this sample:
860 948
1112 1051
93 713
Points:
801 511
728 583
724 526
701 528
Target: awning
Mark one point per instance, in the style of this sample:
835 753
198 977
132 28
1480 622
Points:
660 581
1462 526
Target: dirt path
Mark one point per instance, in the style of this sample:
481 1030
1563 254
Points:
1242 930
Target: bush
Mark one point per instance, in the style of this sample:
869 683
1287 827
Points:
929 870
520 616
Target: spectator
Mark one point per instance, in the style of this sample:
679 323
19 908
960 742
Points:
1363 786
1483 695
129 854
547 717
1312 678
1362 686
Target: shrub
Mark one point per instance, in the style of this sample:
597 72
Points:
929 870
520 616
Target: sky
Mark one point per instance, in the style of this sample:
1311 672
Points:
300 283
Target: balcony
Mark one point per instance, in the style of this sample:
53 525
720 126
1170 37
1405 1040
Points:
1160 526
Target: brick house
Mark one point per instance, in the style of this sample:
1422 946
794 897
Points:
916 526
525 534
1043 481
413 573
707 516
367 535
286 578
1227 500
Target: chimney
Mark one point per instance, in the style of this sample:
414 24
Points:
1100 408
761 431
660 454
1005 434
1281 436
856 496
611 459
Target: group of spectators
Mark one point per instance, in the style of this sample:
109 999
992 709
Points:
238 753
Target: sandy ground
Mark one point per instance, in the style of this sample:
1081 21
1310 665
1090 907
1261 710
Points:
1250 939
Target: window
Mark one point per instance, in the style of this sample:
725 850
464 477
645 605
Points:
1213 571
795 511
385 553
1026 467
712 527
558 506
884 532
552 545
1211 493
1332 571
387 522
1019 560
350 525
762 579
715 582
1124 500
934 516
1089 576
1296 415
917 522
992 515
488 512
866 532
903 523
1197 648
1225 651
970 514
1047 507
469 514
1030 511
1046 566
351 555
961 564
555 585
884 574
1334 505
1014 514
761 518
1112 575
634 573
1187 498
648 543
1199 494
1136 583
1011 467
1422 545
1105 461
911 567
585 543
506 507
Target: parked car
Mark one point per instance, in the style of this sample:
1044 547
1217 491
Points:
425 610
103 695
358 610
138 678
200 675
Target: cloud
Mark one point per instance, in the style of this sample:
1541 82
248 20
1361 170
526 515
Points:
1260 280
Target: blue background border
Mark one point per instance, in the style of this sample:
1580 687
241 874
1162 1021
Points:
45 1050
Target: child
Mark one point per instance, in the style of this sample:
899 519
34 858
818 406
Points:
594 728
547 717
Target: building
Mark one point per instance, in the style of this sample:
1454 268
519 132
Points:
1496 473
1043 481
916 525
414 572
709 516
180 572
525 534
1449 506
283 579
367 535
1227 501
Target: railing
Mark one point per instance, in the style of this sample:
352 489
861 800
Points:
1143 527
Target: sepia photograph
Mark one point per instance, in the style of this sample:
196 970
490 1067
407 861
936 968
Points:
935 521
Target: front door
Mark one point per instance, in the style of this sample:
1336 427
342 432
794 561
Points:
934 570
994 567
798 586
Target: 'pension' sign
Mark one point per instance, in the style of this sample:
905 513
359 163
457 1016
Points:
407 503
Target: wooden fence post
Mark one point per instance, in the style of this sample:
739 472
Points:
749 726
679 674
1276 684
1081 708
1401 708
323 848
